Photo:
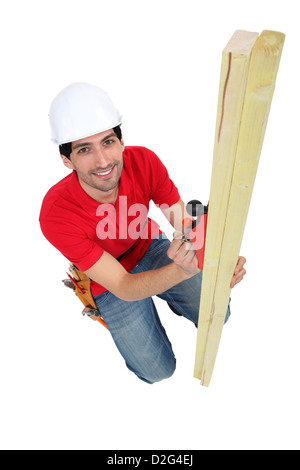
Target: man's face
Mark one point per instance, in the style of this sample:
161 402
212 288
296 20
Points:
98 162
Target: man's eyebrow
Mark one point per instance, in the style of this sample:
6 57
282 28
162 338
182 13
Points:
112 134
86 144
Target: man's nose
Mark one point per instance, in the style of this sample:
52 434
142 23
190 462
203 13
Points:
101 160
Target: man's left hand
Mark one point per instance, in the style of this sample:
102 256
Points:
239 272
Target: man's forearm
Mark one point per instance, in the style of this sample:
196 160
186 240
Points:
108 272
149 283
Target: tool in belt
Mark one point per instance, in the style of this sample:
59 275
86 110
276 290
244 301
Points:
80 283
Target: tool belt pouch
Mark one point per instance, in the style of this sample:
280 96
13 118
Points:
82 287
80 283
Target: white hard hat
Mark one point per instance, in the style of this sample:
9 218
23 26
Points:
81 110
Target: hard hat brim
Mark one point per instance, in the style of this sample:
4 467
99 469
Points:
90 134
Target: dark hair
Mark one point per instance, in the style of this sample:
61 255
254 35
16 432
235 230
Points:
66 149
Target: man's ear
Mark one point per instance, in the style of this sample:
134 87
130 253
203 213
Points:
67 162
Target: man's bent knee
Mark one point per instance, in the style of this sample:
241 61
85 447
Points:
156 374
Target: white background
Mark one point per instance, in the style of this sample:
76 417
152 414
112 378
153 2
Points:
63 383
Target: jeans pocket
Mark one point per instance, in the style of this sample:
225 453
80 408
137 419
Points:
101 299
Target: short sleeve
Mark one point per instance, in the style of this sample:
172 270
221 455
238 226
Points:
163 190
72 243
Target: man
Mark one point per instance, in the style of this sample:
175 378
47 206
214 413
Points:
98 218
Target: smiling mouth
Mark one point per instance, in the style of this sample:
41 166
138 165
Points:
104 173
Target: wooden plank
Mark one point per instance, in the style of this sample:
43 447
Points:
233 80
263 68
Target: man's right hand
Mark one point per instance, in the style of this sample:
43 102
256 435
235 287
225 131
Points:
184 255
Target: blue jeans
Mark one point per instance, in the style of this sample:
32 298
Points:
135 326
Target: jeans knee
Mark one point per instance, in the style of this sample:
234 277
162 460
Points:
157 374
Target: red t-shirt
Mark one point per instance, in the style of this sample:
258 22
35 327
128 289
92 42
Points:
82 228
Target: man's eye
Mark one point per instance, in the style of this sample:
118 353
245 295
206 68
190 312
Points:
108 142
83 150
